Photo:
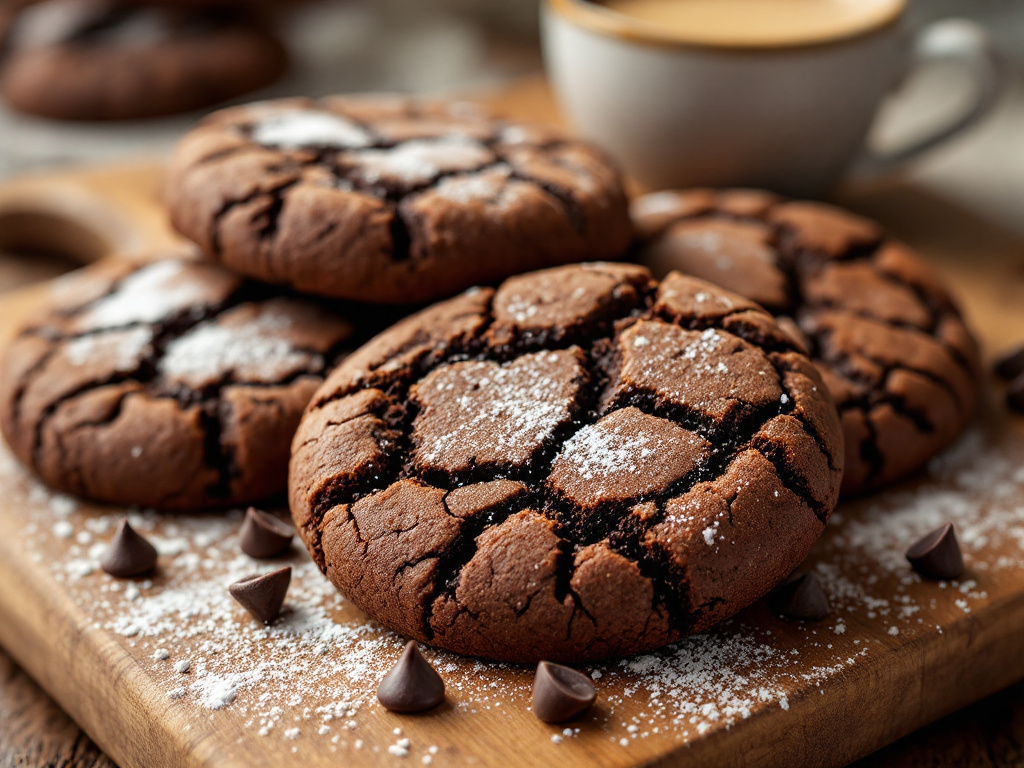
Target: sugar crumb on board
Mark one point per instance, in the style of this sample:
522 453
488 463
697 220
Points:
312 675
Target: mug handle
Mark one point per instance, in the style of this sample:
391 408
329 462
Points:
962 42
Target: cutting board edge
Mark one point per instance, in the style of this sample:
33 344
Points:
95 703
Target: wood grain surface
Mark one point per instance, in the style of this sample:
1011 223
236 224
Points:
108 684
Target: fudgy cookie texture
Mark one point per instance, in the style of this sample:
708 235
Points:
174 385
580 464
876 319
390 200
106 60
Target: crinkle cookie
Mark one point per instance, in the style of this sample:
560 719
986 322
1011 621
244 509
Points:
583 463
108 60
388 199
874 317
174 384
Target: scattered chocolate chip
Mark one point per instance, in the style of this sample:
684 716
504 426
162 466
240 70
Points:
1015 394
412 685
937 555
1010 365
128 554
263 535
800 598
560 692
263 594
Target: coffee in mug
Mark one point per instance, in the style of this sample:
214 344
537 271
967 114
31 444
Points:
779 94
758 22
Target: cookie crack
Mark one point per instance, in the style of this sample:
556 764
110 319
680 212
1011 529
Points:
398 194
790 409
670 583
870 453
26 381
272 213
842 363
461 551
229 204
51 408
575 211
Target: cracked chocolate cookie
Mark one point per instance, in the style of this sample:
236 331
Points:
878 322
390 200
105 60
583 463
174 385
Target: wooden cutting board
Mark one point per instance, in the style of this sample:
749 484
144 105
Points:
895 653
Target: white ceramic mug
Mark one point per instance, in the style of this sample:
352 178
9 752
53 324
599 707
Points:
791 118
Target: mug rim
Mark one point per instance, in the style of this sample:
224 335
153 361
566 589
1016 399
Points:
597 17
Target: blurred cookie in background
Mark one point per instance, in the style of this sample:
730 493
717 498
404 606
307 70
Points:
874 316
102 60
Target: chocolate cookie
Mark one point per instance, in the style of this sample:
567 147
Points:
390 200
104 60
580 464
174 385
882 328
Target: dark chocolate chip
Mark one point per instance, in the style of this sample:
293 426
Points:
128 554
560 692
800 598
937 555
1010 365
264 535
1015 394
412 685
263 594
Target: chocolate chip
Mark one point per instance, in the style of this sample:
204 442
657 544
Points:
412 685
560 692
263 594
264 535
800 598
1015 394
937 555
128 554
1010 365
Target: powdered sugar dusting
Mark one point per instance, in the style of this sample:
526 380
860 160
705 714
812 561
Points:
145 296
514 407
122 349
309 679
594 453
420 161
256 350
655 203
300 128
493 188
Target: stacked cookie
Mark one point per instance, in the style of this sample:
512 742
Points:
171 384
573 463
131 59
178 384
883 330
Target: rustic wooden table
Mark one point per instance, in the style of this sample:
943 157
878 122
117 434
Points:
974 191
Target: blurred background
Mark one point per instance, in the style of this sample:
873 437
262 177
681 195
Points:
436 46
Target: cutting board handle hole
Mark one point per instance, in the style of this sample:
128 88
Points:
50 236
